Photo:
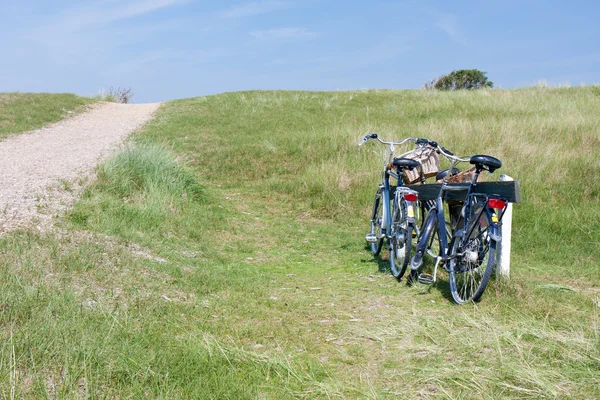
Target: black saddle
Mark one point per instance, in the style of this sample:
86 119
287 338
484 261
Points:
481 161
444 173
405 163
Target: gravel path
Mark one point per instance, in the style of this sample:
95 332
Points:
41 172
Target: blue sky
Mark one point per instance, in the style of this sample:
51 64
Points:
166 49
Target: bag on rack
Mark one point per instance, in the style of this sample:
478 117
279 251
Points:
428 159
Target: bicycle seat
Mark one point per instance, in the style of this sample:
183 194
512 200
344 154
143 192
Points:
481 161
444 173
405 163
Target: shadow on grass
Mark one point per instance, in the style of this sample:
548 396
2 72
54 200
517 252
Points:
382 259
443 286
442 283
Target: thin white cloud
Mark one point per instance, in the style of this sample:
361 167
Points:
253 8
102 13
449 24
139 7
284 33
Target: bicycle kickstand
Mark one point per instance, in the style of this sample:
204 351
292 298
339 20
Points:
427 279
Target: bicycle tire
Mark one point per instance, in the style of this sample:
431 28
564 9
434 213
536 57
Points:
401 241
376 219
470 273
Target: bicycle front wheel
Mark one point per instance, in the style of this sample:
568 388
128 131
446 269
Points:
401 241
376 221
471 271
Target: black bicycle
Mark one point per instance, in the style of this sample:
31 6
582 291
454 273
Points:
467 243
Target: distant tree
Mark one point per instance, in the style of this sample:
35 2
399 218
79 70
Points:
461 79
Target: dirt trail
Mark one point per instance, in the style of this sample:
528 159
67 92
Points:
41 171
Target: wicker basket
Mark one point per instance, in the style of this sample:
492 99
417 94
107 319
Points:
428 159
465 176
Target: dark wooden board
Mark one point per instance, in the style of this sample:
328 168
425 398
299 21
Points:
510 190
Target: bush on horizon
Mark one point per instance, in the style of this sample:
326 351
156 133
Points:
466 79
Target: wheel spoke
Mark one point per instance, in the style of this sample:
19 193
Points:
472 270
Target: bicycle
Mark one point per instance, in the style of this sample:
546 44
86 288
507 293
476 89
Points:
469 253
397 225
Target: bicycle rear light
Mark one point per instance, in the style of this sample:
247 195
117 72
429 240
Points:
410 197
496 203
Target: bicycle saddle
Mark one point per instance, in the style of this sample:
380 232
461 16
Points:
405 163
481 161
444 173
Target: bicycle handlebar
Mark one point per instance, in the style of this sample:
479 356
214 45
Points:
376 136
446 150
419 142
446 153
368 137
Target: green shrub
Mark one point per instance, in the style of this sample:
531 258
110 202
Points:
461 79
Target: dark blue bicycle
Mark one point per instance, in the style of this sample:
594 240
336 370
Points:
466 244
395 214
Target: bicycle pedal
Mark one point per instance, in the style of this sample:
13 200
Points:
371 238
425 279
414 234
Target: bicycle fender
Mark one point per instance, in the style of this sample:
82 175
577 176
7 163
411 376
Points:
495 233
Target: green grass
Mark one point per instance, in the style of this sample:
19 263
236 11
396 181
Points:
222 255
20 112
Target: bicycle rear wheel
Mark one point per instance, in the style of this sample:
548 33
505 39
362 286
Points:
401 240
376 220
471 271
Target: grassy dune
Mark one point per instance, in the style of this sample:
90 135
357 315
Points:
222 255
20 112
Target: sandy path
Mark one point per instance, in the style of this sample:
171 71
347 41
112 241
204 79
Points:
36 166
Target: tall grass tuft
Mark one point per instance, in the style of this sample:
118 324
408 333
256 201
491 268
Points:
144 185
149 170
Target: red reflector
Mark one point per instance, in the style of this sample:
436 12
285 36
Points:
410 197
496 203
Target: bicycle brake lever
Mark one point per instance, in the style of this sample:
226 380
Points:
446 151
